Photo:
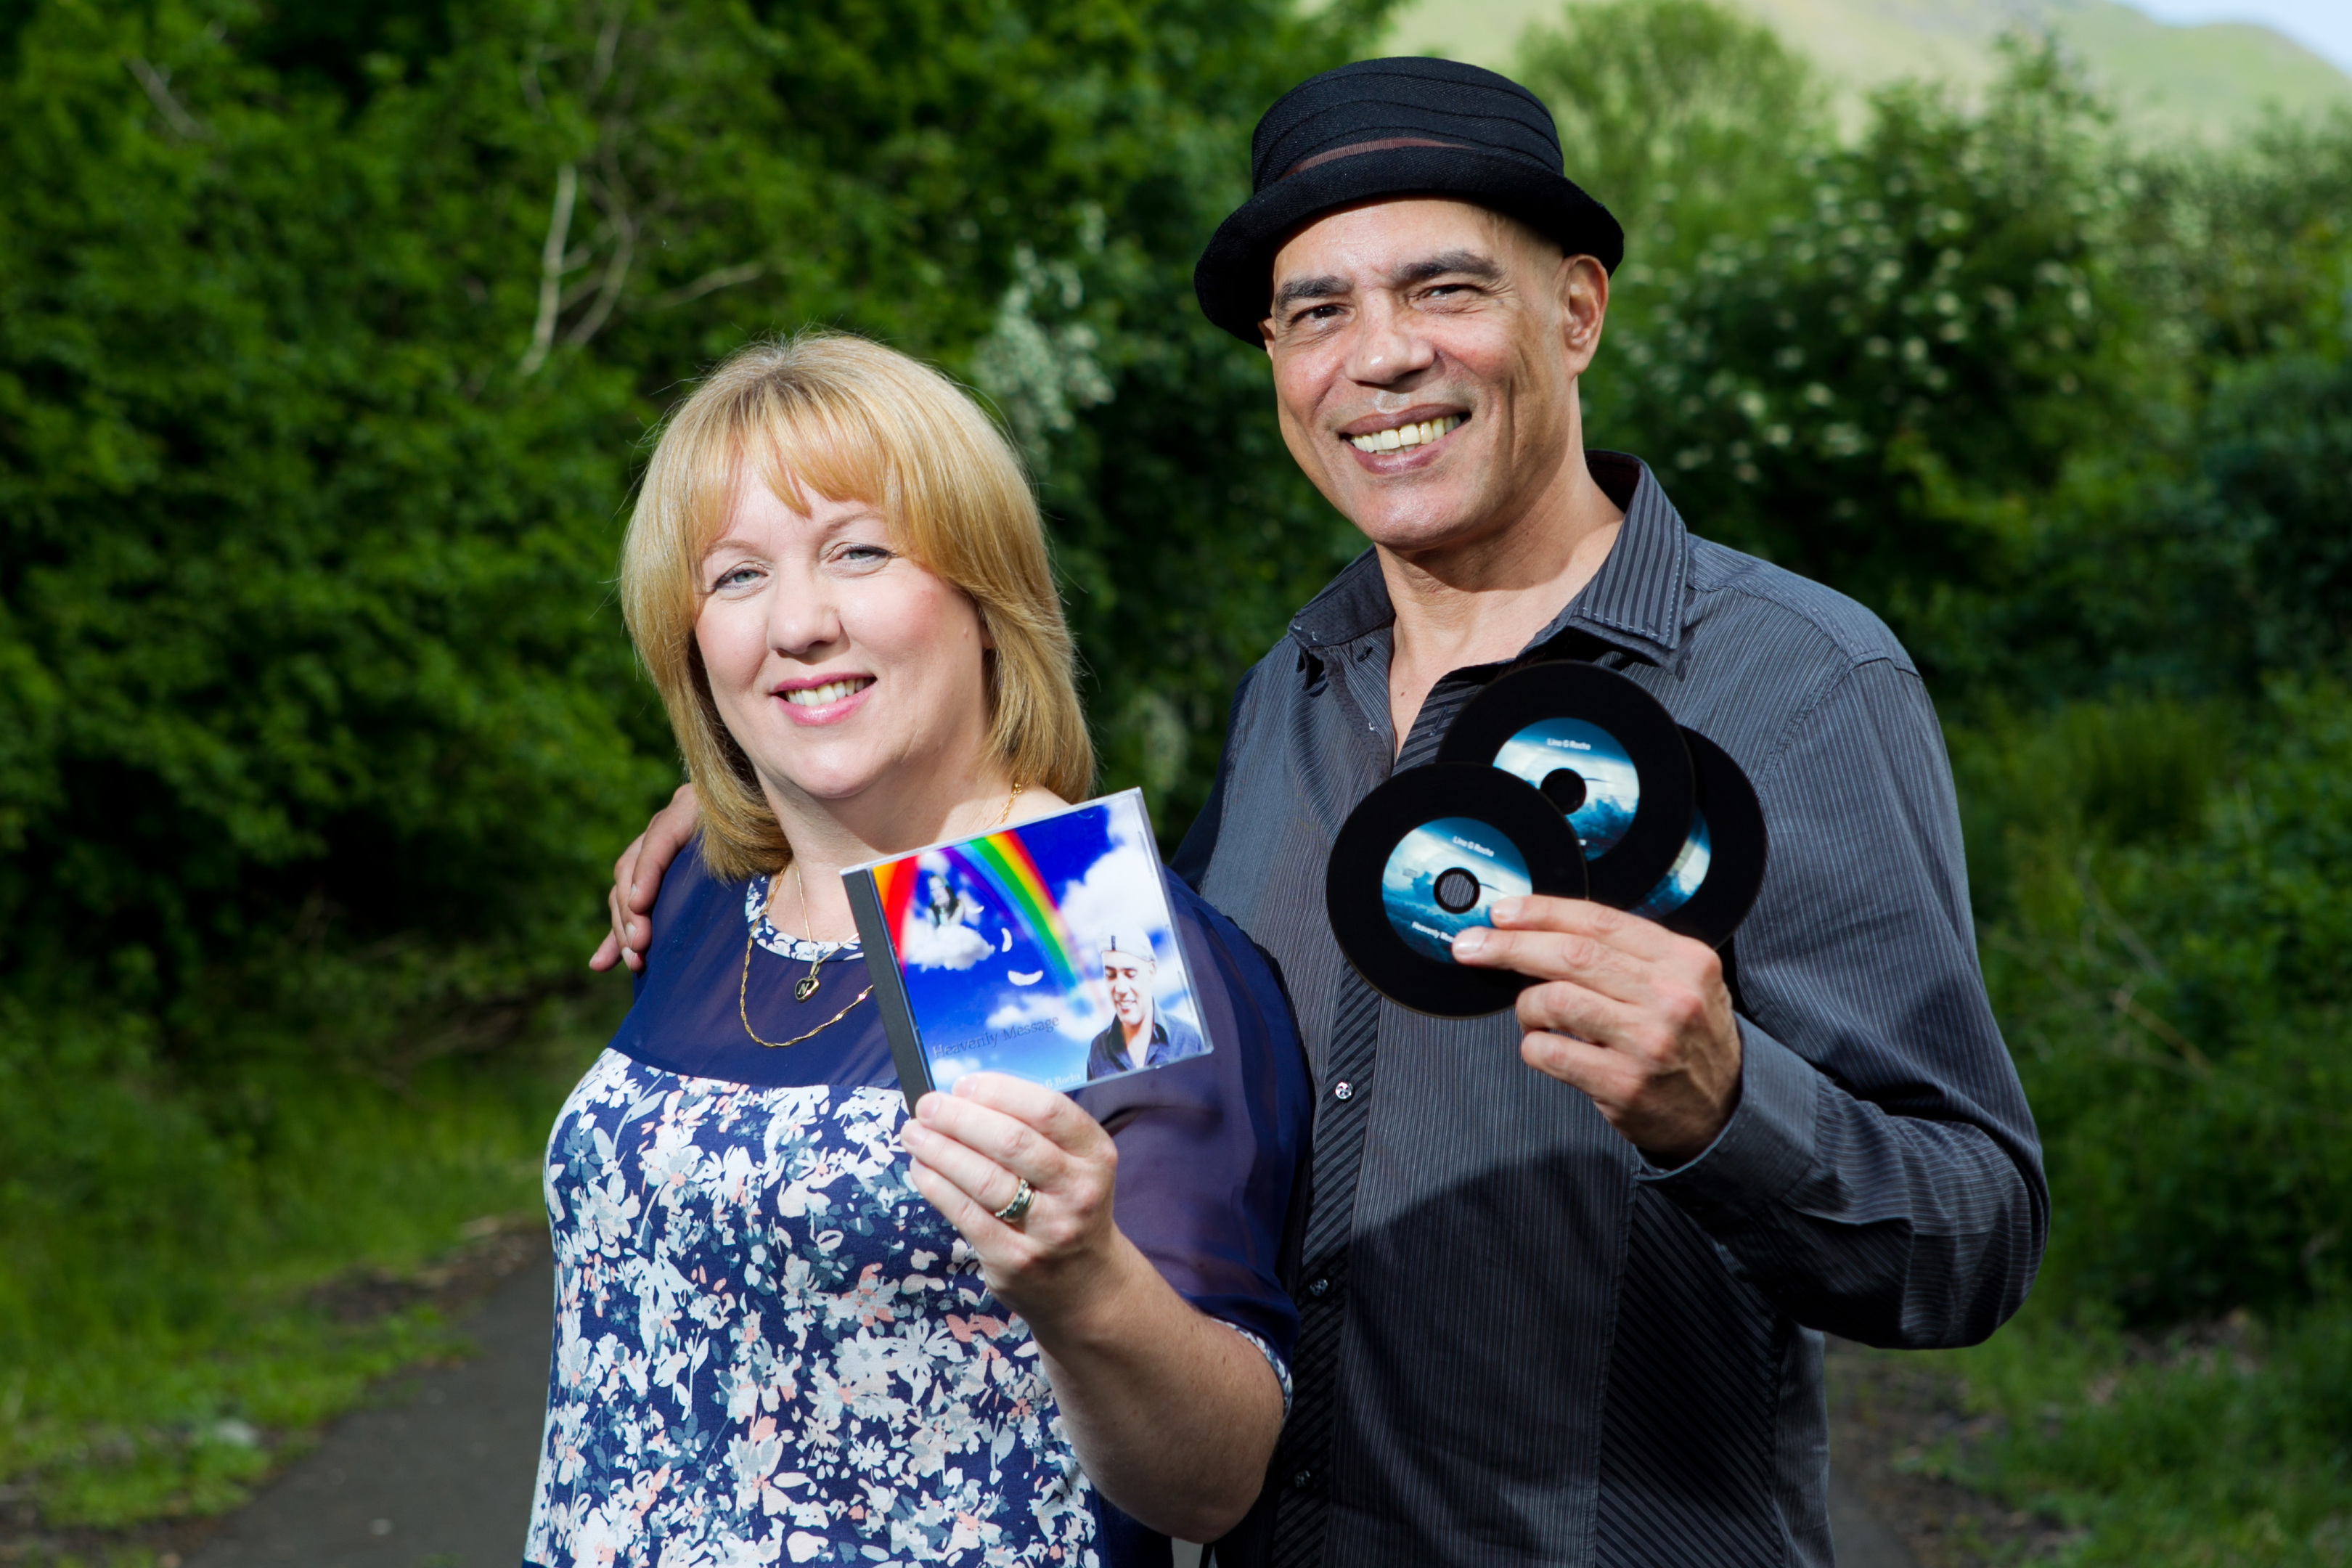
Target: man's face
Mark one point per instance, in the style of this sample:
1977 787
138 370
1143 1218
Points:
1425 355
1129 978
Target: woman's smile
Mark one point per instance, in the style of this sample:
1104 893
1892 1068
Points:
823 700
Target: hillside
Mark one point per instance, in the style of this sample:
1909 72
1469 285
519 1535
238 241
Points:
2201 80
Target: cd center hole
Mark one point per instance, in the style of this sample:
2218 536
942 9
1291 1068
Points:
1564 787
1456 891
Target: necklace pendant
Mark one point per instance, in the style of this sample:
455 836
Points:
804 988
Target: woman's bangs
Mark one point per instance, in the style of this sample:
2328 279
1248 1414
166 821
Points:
802 447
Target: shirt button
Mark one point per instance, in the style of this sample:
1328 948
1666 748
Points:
1319 1287
1302 1481
1343 1090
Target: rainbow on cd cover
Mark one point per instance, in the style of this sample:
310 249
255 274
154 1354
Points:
1045 949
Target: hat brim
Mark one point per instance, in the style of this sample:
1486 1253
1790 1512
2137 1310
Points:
1235 274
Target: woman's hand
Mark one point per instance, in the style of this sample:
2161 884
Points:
974 1146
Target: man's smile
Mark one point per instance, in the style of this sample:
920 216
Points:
1390 435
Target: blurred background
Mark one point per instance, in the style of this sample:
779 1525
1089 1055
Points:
331 339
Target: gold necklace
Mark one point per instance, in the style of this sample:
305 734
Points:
807 983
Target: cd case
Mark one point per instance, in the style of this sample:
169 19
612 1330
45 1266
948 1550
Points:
1045 950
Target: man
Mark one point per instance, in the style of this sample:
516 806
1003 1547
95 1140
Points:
1564 1274
1138 1036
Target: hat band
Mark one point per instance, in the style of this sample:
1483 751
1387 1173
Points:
1383 145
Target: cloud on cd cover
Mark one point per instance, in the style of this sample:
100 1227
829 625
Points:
1045 949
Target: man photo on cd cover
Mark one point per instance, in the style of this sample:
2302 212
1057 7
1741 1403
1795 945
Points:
1564 1271
1138 1035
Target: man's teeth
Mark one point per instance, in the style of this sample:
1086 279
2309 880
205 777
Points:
818 696
1405 435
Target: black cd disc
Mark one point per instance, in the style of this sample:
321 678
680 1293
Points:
1602 750
1423 857
1707 891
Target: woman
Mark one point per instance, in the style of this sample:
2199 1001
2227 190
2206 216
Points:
792 1322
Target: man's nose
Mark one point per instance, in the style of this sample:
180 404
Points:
1386 347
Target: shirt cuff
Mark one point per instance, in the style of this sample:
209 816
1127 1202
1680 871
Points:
1767 1146
1281 1367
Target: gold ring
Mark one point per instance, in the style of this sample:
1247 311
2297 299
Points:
1013 1212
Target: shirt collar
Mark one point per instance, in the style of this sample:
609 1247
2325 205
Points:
1635 602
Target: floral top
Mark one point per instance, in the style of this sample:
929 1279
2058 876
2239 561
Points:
770 1348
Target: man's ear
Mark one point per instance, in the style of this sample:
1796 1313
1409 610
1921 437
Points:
1582 284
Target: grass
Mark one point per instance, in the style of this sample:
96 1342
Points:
2225 1443
175 1321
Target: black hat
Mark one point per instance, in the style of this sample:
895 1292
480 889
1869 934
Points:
1394 127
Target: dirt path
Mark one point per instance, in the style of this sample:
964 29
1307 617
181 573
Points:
437 1476
439 1473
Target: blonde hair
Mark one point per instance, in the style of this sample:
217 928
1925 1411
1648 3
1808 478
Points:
850 420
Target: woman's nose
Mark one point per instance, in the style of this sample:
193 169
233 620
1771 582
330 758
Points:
802 618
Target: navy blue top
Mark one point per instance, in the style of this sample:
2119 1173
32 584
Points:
767 1339
1207 1147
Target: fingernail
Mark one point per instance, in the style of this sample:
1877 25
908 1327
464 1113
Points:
1469 941
1507 909
629 929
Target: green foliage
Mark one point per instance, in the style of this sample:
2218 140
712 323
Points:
2181 984
325 353
2276 472
1686 120
330 341
1881 390
2224 1445
2164 942
163 1340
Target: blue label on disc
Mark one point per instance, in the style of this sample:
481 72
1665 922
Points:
1442 877
1612 787
1683 878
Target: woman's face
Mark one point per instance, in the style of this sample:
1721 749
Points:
837 663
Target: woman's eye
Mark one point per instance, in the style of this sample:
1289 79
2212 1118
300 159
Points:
863 556
737 577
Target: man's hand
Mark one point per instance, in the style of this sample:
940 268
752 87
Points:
637 879
1634 1015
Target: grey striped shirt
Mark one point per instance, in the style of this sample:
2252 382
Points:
1521 1345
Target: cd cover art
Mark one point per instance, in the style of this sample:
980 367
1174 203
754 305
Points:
1444 876
1685 876
1045 950
1603 751
1426 856
1708 890
1585 773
